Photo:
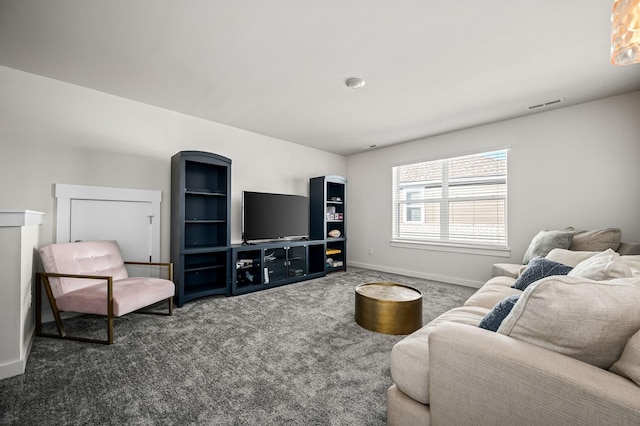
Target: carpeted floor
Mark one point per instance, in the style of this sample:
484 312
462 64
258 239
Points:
290 355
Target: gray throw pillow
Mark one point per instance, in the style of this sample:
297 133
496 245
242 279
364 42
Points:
538 269
494 318
545 241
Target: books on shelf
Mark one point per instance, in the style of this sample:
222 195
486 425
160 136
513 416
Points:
333 251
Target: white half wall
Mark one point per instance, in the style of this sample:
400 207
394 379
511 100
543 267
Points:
576 166
55 132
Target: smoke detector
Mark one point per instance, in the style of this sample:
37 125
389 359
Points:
355 83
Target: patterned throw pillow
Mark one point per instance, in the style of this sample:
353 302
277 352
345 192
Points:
537 269
494 318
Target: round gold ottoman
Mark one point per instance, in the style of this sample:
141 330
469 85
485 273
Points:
388 308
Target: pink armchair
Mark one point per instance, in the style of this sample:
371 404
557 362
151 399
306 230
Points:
91 278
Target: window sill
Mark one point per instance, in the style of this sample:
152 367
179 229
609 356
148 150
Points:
452 248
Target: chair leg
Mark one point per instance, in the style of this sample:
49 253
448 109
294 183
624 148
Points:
42 279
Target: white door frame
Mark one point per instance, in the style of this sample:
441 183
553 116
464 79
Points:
64 194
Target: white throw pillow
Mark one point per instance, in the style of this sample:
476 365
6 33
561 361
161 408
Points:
581 318
606 265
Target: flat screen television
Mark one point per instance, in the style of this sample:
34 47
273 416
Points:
267 216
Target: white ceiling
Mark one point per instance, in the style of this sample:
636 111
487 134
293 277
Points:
277 67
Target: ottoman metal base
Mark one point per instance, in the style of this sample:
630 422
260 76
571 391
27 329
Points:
388 308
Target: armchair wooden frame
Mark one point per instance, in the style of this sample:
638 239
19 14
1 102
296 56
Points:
42 279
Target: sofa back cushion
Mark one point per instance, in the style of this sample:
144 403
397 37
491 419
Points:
82 258
581 318
598 240
569 257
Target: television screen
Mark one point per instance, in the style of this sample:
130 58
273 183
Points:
268 216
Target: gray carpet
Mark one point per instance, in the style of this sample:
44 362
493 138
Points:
290 355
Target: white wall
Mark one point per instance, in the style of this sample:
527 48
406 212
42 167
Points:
577 166
54 132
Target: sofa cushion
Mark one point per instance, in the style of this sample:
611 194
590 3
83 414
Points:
410 356
494 318
598 240
545 241
511 270
569 257
633 262
629 363
627 249
581 318
84 258
492 292
607 265
537 269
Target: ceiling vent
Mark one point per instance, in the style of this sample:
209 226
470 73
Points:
546 104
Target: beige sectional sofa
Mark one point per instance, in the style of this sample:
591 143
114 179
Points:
568 353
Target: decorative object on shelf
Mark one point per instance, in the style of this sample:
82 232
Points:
625 32
335 233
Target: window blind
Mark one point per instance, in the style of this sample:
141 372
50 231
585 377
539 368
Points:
458 200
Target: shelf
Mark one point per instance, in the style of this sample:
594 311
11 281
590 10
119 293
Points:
204 192
202 268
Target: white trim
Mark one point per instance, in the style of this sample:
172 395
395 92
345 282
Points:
416 274
452 248
21 218
64 194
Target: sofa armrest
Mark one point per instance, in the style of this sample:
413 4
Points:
483 378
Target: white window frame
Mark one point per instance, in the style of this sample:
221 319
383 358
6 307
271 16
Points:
413 190
443 243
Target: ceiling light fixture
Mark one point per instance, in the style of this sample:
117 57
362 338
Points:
625 32
355 83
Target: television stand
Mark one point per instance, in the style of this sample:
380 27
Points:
262 265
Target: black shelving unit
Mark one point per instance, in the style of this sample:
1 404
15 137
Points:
328 218
200 226
272 264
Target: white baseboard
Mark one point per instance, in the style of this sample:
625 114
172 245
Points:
15 368
416 274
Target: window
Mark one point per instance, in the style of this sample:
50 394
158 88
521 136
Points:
457 201
413 211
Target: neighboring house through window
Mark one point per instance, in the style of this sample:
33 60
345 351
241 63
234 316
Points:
455 201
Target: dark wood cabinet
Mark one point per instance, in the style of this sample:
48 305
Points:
328 218
271 264
200 224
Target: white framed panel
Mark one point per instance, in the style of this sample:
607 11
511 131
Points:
131 216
